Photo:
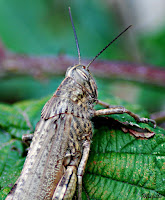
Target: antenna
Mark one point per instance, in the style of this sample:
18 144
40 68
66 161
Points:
108 45
75 35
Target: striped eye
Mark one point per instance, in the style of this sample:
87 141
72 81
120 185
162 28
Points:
84 74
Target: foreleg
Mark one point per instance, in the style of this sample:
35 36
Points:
120 110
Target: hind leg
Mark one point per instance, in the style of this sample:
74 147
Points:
67 185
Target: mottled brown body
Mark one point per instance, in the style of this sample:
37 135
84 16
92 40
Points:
61 142
58 139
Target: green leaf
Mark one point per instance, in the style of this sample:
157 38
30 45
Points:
11 161
119 166
123 167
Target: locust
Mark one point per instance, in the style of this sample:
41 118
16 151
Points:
60 147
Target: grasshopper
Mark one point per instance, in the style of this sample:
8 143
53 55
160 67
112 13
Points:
61 143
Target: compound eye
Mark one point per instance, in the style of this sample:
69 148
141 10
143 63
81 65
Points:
83 73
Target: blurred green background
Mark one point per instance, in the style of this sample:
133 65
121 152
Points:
43 27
